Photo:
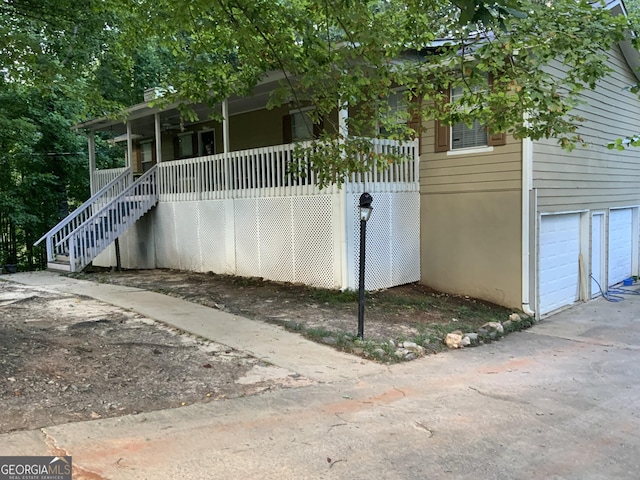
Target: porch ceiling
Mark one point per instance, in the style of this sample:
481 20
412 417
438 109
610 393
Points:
142 120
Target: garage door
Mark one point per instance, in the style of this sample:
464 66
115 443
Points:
620 244
558 261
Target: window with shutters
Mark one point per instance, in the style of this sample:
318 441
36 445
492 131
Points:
460 135
463 135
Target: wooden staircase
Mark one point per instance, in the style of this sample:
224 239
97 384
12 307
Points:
92 227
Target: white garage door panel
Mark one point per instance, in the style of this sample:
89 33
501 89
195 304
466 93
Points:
620 244
559 253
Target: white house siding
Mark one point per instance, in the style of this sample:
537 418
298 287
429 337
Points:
593 178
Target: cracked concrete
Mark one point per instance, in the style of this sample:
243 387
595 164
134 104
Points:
561 400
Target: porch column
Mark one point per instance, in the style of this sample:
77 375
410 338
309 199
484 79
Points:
225 125
156 119
225 145
343 115
91 145
344 263
129 145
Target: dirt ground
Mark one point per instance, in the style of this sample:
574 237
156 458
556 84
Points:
397 313
65 358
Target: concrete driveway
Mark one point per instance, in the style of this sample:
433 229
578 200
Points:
561 400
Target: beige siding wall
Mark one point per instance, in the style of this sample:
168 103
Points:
256 129
471 221
594 177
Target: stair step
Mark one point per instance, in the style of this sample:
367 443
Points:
59 266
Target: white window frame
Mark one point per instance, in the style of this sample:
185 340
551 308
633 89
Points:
475 128
400 105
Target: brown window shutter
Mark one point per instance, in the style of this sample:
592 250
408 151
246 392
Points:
443 137
443 131
287 136
497 139
416 122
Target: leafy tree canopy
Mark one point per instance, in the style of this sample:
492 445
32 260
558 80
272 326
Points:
348 52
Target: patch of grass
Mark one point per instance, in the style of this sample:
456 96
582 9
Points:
290 326
442 329
332 297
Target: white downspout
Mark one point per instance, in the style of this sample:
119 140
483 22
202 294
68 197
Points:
527 186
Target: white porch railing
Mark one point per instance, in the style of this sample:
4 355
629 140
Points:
264 172
104 177
77 239
397 177
109 222
83 213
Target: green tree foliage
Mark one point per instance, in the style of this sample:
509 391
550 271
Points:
43 168
62 59
345 52
57 59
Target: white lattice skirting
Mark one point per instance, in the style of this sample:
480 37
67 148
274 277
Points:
311 239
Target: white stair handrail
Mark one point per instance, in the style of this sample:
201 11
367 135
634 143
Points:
144 190
124 178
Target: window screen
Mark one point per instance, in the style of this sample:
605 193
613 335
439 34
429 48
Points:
186 145
461 135
301 126
464 137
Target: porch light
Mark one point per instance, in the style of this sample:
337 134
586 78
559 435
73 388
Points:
365 207
365 212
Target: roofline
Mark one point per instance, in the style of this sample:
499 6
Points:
145 109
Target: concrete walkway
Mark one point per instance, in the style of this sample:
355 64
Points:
558 401
270 343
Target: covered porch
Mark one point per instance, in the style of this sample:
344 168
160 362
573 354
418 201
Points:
242 211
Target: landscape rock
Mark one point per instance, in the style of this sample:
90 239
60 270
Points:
330 340
453 339
472 336
508 326
514 317
414 348
465 341
494 326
